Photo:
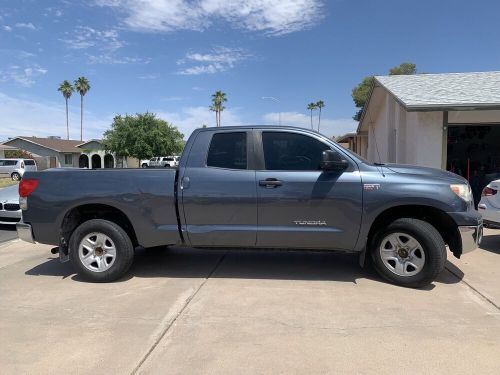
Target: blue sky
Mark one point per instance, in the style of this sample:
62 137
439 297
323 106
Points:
169 56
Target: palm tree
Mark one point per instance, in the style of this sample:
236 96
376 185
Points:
213 108
82 85
319 104
217 106
311 107
66 89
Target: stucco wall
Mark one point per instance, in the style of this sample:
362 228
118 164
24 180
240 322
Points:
406 137
378 135
92 145
471 117
427 140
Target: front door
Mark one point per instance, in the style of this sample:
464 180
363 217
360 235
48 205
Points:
299 205
218 191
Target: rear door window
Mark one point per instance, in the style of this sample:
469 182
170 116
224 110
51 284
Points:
29 162
228 150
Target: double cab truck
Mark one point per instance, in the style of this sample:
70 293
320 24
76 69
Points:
255 187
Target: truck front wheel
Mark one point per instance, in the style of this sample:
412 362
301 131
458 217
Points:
100 250
408 252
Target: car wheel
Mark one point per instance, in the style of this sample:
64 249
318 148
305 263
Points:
409 252
15 176
144 165
101 250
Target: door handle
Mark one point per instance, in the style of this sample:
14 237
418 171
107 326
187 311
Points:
270 183
185 183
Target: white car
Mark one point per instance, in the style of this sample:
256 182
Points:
15 168
489 206
161 162
10 211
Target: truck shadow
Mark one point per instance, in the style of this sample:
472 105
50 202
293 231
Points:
491 243
240 264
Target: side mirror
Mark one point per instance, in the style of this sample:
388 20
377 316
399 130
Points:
332 161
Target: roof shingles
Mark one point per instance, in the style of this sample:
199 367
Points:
478 89
57 144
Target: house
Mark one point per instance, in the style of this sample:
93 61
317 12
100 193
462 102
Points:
352 141
55 152
449 121
48 152
94 156
4 148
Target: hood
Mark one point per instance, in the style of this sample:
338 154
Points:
425 171
9 194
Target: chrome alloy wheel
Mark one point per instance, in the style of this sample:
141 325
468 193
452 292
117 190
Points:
402 254
97 252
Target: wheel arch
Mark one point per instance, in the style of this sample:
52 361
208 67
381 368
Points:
438 218
84 212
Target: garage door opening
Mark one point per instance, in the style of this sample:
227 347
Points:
474 153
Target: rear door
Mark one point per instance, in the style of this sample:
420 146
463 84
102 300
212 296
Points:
30 165
219 199
299 205
3 168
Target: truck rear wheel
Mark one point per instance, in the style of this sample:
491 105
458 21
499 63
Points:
409 252
101 250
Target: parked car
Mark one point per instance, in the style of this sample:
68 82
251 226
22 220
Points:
10 212
15 168
255 187
162 162
489 206
167 162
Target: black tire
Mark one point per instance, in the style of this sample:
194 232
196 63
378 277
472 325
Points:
144 165
124 250
431 243
15 176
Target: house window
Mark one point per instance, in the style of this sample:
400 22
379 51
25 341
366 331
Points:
68 159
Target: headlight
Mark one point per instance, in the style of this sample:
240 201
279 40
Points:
463 191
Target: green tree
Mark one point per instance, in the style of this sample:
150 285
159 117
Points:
319 104
403 69
218 100
362 91
66 90
82 86
142 136
311 107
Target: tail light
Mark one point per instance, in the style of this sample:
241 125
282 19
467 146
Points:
28 186
488 192
22 165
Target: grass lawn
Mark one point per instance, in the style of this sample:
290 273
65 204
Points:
4 182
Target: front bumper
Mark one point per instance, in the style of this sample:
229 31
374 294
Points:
471 237
10 217
24 232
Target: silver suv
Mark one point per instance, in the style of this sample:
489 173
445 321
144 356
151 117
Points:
15 168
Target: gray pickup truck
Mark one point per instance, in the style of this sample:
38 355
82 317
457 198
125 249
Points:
255 187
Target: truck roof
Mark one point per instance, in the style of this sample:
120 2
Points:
246 127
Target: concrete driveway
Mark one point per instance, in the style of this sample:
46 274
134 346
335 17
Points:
184 311
7 232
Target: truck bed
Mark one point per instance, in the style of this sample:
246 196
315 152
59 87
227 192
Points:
146 196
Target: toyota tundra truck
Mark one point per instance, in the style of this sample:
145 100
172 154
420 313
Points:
255 187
